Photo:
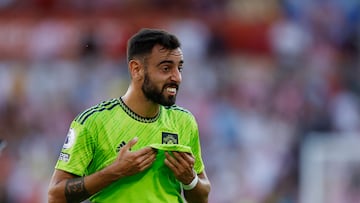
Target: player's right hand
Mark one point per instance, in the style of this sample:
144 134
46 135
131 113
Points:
132 162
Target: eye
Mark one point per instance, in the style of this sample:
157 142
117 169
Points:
180 68
166 68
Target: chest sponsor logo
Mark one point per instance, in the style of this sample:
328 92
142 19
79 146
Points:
169 138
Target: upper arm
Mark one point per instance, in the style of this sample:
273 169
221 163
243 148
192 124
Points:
60 175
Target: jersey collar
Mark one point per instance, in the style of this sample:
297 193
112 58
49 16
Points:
136 116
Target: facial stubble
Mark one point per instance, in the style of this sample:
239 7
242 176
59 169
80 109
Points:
155 95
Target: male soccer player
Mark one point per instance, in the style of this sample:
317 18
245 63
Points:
140 147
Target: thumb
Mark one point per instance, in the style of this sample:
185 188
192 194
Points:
131 143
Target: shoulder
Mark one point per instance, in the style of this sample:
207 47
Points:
179 113
97 109
178 110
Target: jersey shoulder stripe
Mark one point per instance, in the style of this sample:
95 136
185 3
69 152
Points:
177 108
106 105
81 115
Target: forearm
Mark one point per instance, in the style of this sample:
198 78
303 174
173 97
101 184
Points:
70 190
77 189
200 193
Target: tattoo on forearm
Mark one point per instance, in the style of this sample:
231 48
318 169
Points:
75 190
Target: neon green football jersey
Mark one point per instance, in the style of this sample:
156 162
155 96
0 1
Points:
96 136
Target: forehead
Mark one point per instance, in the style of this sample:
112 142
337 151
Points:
161 53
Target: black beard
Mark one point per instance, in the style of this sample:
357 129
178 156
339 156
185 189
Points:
157 96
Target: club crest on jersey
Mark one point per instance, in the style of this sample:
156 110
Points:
169 138
70 139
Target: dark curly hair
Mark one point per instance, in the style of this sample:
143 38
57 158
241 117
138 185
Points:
142 43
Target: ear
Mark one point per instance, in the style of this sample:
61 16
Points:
136 69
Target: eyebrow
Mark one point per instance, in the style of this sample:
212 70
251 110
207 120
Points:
170 61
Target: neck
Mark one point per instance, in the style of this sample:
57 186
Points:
139 104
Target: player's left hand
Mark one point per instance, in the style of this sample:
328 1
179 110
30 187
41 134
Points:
182 164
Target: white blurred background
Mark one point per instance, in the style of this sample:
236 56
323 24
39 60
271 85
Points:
261 77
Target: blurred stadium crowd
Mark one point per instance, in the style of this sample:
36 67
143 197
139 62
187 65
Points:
259 76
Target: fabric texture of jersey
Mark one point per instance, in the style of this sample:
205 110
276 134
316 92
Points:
96 136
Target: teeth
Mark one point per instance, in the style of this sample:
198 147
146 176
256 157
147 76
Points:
171 89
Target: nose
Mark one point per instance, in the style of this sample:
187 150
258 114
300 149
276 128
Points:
176 76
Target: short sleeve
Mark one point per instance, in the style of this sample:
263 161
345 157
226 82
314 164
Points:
77 151
196 148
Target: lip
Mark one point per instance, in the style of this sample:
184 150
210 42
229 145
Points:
172 86
171 90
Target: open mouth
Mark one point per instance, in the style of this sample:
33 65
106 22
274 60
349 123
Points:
171 90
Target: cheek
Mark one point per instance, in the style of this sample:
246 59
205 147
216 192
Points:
156 82
160 80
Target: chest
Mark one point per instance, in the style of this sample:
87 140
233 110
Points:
113 135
